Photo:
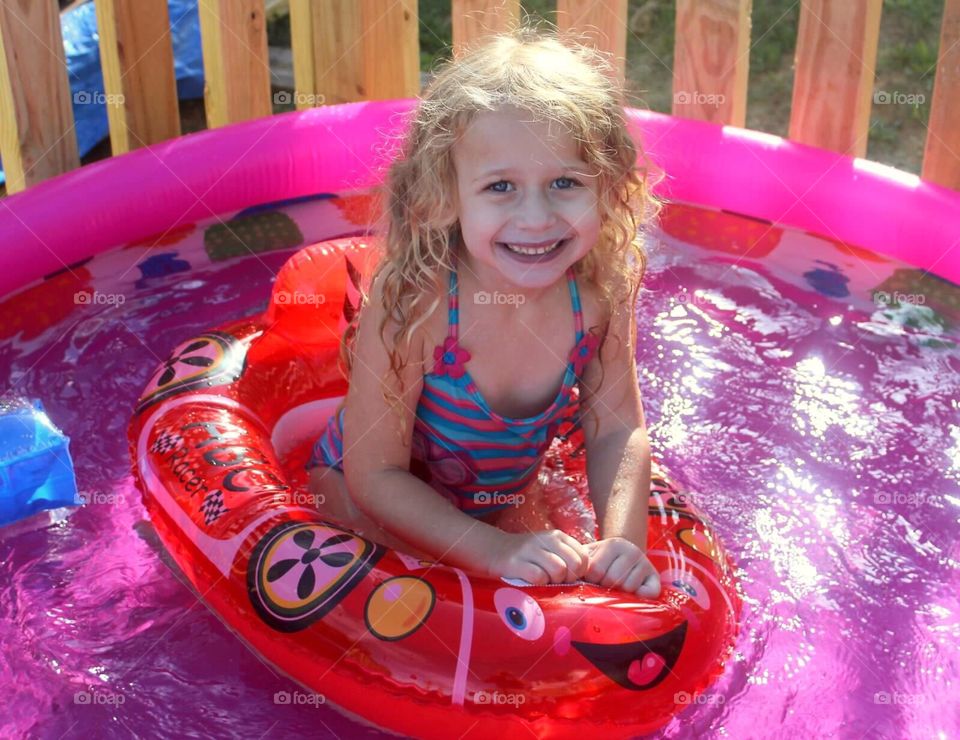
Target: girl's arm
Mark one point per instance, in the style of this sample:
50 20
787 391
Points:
376 466
615 432
618 459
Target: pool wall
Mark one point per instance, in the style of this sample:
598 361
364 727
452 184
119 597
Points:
340 148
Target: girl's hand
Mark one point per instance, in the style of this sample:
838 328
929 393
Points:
540 558
618 563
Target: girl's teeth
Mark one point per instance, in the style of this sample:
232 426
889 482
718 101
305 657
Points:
524 250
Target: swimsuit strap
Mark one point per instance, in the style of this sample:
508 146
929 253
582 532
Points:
453 305
575 300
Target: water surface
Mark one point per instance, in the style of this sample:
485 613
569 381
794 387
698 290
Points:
804 391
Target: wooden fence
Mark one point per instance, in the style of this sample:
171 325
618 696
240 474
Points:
349 50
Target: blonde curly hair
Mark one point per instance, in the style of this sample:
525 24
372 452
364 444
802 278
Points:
555 78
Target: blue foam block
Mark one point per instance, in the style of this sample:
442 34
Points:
36 471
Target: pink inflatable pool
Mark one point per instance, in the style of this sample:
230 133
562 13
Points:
342 148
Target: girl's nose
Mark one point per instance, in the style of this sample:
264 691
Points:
535 212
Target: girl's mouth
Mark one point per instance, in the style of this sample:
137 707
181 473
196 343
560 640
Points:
533 254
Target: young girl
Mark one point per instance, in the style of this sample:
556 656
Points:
513 215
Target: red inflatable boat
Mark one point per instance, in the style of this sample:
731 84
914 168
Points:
219 440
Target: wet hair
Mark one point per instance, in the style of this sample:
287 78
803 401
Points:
555 79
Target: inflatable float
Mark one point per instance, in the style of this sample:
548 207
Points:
219 440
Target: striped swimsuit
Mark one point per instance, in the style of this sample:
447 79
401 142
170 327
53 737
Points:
474 457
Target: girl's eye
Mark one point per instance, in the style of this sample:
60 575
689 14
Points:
562 183
495 187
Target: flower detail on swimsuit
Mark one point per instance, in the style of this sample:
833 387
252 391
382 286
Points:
449 359
583 352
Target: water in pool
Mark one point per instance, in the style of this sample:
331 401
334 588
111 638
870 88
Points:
805 392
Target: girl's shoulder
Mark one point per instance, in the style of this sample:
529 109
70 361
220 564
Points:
592 307
596 310
426 327
433 331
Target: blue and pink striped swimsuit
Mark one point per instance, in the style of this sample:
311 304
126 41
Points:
466 451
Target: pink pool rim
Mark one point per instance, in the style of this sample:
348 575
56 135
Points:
346 147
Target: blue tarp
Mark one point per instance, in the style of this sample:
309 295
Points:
81 46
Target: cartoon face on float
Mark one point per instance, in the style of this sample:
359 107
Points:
600 641
489 635
422 618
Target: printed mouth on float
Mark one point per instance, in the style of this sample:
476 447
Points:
534 252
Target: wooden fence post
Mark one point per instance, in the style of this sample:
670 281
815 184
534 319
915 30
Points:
37 140
352 50
835 64
941 156
236 64
136 53
603 22
711 59
301 47
474 19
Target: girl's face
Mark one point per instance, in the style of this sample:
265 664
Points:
523 189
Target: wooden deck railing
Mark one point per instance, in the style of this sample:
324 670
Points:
349 50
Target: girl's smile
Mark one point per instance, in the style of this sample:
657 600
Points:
536 252
527 201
